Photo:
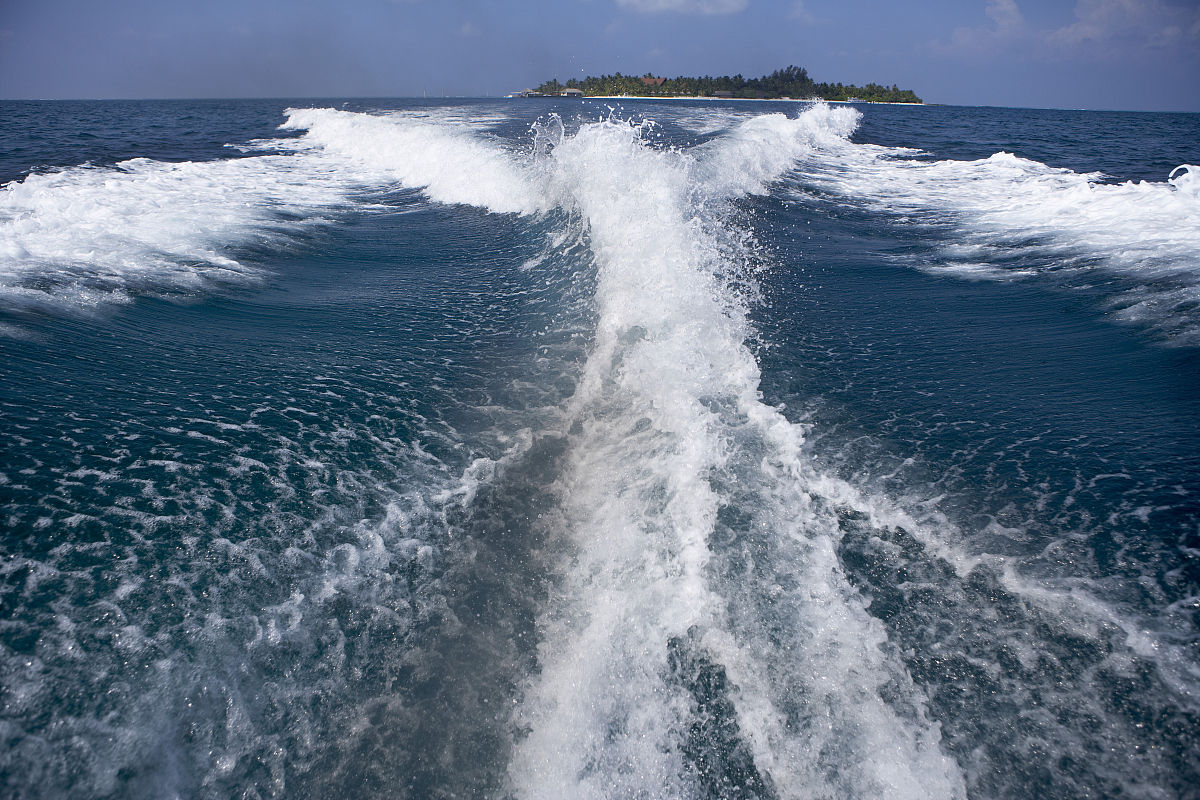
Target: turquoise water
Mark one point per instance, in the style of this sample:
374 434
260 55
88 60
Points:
542 449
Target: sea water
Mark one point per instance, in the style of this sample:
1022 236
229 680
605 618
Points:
544 448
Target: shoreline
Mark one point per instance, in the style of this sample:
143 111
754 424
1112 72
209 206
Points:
722 99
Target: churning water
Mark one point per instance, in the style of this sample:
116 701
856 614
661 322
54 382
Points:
538 449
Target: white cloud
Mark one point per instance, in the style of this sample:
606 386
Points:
800 12
1006 15
684 6
1008 25
1131 25
1148 22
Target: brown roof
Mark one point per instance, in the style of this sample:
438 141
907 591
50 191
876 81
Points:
653 81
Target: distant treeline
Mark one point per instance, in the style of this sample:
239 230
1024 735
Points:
790 82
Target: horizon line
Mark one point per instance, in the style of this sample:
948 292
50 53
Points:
348 97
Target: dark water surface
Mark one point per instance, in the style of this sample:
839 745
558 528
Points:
540 449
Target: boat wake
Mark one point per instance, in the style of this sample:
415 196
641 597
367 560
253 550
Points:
665 594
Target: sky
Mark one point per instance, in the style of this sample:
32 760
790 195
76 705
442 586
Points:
1108 54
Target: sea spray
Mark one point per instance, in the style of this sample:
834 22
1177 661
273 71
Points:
646 624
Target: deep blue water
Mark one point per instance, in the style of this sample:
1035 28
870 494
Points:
530 448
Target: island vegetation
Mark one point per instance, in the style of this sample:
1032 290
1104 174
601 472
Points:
793 82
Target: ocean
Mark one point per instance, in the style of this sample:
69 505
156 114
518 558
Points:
598 449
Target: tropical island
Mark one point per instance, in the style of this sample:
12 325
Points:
792 82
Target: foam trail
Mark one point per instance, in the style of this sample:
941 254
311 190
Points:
761 149
1022 218
659 676
89 235
449 167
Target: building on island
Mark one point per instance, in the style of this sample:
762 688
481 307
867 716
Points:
524 93
571 93
649 81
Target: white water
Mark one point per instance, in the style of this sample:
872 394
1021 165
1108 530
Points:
666 433
1011 217
449 166
667 411
669 437
88 235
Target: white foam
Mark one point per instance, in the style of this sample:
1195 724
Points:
1020 211
760 150
448 165
86 236
710 123
89 234
666 417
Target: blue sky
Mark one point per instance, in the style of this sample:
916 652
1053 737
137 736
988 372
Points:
1127 54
